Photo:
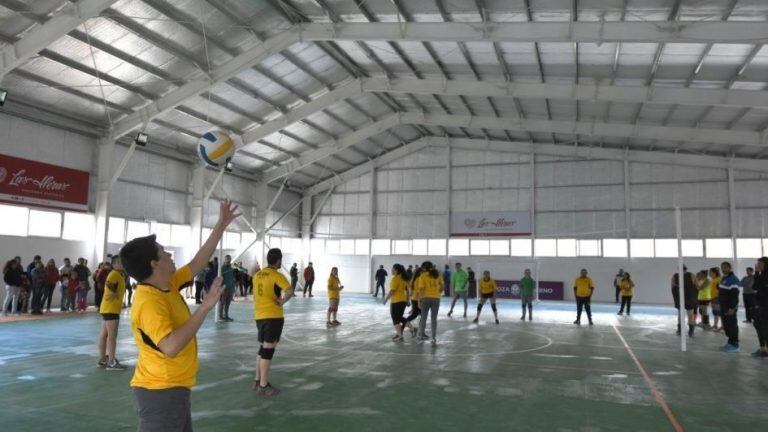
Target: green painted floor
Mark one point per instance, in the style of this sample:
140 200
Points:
545 375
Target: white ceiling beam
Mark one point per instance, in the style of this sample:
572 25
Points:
344 91
330 148
592 128
365 168
700 32
565 151
63 22
193 88
587 92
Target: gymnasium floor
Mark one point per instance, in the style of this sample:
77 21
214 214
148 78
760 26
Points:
545 375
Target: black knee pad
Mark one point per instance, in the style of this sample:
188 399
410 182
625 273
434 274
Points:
480 307
493 306
267 353
261 350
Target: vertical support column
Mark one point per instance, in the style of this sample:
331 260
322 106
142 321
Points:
306 229
732 213
261 198
627 202
448 195
372 229
681 314
106 153
532 212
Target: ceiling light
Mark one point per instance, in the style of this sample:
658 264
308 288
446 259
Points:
141 139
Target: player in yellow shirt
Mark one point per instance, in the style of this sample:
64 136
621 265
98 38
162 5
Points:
110 307
414 296
334 291
398 292
582 290
627 289
714 291
488 291
271 290
429 286
164 329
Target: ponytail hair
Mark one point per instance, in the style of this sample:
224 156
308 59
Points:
400 271
434 273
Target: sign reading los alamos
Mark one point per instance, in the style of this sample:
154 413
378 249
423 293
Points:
32 183
480 224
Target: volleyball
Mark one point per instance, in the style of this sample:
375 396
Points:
216 148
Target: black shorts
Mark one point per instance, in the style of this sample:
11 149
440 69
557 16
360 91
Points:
396 311
110 316
270 329
486 296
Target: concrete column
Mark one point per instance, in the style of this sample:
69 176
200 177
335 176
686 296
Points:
106 154
306 230
627 203
261 199
732 212
196 206
372 228
448 193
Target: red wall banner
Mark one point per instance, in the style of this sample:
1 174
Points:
32 183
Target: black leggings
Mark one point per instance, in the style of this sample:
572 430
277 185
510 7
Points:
397 310
415 311
760 320
583 303
308 286
626 300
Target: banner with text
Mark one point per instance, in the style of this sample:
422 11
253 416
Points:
31 183
548 290
482 224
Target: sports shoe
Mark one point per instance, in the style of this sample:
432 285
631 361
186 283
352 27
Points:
497 321
267 390
465 314
620 314
591 323
328 324
398 338
102 363
475 321
522 318
450 313
577 322
757 353
763 355
730 348
336 322
413 332
115 366
530 318
434 341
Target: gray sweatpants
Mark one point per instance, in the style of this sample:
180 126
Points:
429 306
167 410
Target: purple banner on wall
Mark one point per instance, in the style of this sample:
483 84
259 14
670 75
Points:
547 290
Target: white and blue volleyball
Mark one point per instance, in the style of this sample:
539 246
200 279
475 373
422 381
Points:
216 148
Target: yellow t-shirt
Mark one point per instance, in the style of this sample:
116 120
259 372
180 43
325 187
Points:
268 286
428 286
415 292
714 290
114 291
397 287
155 314
487 286
583 286
333 287
627 288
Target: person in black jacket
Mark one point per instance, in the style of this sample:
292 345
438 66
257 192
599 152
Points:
760 310
690 294
381 278
12 273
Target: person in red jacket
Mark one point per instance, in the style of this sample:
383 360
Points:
51 278
309 279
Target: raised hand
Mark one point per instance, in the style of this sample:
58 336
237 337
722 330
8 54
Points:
213 295
227 213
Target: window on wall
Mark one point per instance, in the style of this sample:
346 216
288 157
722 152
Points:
44 223
317 246
380 247
14 220
347 247
141 229
162 231
566 247
420 247
401 247
545 247
204 234
499 247
520 247
232 240
437 247
116 231
290 245
458 247
362 247
246 239
479 247
181 235
693 248
749 248
614 248
588 248
641 248
332 247
665 248
719 248
79 226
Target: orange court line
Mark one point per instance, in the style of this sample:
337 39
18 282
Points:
652 385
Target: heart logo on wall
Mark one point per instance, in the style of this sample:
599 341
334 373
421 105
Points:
470 223
3 174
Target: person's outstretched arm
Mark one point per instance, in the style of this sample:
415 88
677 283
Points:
172 344
227 214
